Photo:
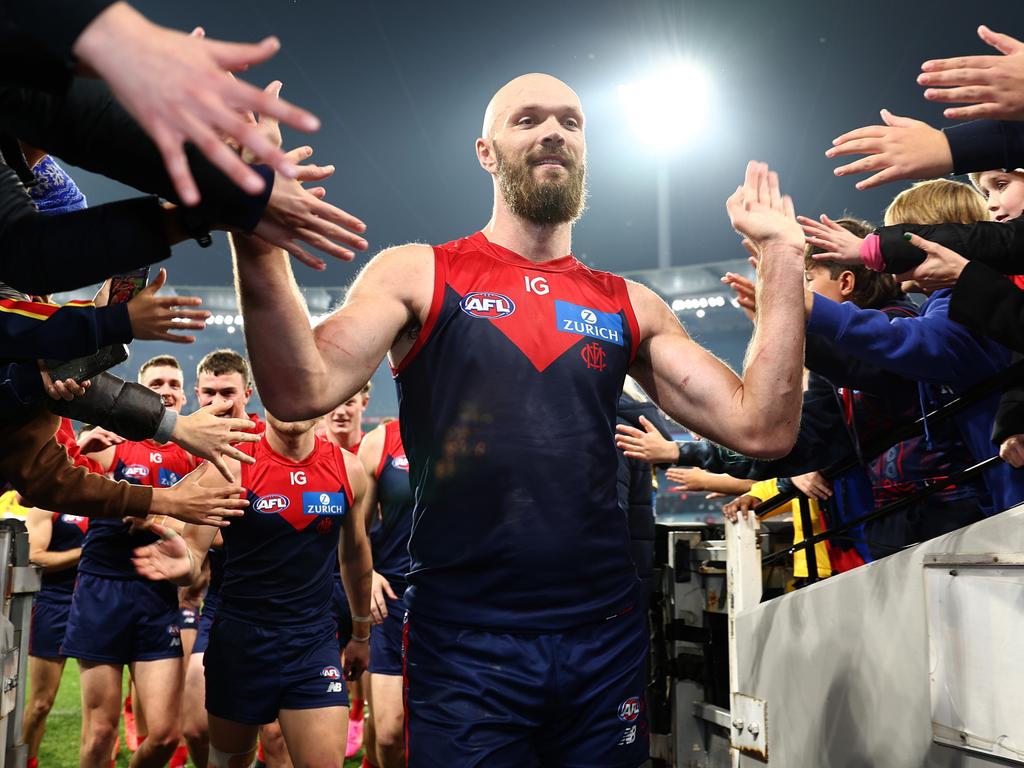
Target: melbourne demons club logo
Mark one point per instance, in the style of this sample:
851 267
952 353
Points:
594 356
490 306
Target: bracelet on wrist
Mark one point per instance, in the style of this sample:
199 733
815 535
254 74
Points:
364 639
363 619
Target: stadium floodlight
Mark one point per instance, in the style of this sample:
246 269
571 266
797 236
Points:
668 108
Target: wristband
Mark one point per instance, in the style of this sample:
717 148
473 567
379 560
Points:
363 619
364 639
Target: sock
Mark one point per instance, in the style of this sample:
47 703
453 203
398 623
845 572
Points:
357 710
33 762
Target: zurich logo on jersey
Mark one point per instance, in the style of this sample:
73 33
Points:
135 472
572 318
321 503
271 503
166 478
485 304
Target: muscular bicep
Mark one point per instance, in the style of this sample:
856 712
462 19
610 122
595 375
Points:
391 295
687 382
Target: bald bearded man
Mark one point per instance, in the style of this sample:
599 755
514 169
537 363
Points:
523 646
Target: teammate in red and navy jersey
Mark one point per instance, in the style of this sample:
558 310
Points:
120 619
222 378
55 544
343 426
273 650
523 645
390 505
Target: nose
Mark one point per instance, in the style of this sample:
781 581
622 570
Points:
553 133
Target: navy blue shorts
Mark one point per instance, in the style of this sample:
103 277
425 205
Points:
117 621
252 672
204 623
49 620
187 619
386 641
574 699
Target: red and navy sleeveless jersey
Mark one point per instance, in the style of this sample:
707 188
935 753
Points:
108 544
279 556
67 532
507 411
389 535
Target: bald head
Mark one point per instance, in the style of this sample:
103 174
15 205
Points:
533 89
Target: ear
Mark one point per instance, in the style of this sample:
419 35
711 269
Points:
485 155
847 283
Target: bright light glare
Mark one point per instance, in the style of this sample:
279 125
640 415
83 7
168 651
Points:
669 108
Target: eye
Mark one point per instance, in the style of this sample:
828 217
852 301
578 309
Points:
525 120
1001 184
572 122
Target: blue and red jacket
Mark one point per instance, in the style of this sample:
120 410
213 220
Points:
508 401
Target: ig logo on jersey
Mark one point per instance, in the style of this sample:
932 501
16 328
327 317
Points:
490 306
271 503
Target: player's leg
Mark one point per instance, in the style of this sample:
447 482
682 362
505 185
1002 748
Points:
474 698
601 680
315 737
273 747
385 688
101 710
232 745
194 724
158 687
388 718
43 680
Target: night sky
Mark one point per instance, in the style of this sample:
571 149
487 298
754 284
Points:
401 87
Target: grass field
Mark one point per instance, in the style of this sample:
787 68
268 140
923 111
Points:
63 728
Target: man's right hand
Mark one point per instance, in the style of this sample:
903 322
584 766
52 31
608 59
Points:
378 605
1012 451
191 502
209 435
166 559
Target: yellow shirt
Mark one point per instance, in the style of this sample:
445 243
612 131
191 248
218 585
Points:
766 489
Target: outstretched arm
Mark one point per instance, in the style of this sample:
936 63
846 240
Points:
759 413
326 365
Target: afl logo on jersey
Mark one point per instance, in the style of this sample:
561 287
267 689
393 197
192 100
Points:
271 504
490 306
400 462
135 472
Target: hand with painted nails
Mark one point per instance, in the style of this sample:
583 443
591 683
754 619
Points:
940 269
992 86
838 244
902 148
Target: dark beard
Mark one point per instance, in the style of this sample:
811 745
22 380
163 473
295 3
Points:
542 202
